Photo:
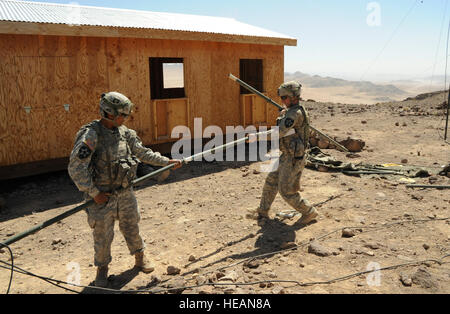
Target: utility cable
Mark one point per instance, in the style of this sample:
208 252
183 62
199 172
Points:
304 284
326 235
58 283
390 39
439 43
12 266
297 283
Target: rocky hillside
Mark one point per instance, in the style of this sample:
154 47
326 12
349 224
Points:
339 90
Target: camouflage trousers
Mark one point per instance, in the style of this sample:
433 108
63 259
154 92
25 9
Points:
121 206
286 180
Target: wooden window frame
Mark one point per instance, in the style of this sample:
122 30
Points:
251 71
157 90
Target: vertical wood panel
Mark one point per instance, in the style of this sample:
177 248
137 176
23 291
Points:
170 113
8 89
123 72
32 139
59 120
259 111
143 112
83 105
198 84
26 65
273 66
225 106
161 122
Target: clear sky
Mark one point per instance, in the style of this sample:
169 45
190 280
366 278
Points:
352 39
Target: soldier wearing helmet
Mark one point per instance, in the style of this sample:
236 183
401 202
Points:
293 128
114 104
103 164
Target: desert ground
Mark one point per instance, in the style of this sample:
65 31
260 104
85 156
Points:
374 234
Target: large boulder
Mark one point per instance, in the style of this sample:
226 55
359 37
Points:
353 145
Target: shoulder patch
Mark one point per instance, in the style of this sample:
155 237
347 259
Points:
84 151
288 122
89 143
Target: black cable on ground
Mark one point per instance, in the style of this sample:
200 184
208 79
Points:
328 234
295 282
51 281
298 283
58 283
12 266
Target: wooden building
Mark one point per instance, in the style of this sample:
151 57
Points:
56 60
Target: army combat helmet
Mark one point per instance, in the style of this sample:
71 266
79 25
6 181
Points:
292 89
115 104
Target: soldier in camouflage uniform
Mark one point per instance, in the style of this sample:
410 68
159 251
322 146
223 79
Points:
103 164
293 124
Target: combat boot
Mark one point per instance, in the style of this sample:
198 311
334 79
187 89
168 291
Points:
309 216
142 263
257 214
102 277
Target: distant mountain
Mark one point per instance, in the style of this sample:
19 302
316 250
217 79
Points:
368 88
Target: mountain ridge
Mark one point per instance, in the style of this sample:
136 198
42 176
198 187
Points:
367 87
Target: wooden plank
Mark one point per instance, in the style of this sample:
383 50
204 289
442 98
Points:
199 87
60 131
122 72
143 111
273 65
225 107
130 81
161 123
170 113
30 141
8 88
259 111
177 113
83 105
247 105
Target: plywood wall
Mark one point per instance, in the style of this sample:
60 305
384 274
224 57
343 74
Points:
46 72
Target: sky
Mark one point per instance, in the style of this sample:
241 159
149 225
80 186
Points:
352 39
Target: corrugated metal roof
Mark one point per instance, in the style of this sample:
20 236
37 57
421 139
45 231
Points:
38 12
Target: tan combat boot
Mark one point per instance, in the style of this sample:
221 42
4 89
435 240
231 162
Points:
142 263
102 277
308 217
256 214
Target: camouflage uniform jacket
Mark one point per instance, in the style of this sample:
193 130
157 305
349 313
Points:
294 131
105 160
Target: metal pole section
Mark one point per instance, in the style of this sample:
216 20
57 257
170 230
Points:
134 182
448 109
191 158
47 223
428 186
448 99
329 138
257 92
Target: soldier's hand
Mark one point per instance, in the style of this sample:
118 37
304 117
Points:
251 138
102 198
177 162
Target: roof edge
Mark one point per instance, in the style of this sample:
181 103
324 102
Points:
32 28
